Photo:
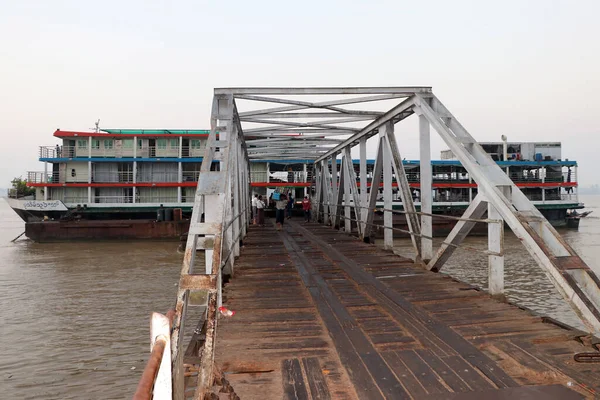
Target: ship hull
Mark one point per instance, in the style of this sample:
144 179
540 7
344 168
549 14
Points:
81 230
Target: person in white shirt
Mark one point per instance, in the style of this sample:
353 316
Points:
260 208
254 210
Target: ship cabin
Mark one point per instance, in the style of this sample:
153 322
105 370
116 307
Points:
129 170
536 168
141 170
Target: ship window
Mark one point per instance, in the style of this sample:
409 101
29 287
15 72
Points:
95 144
140 144
174 143
128 143
82 144
108 143
161 144
195 144
73 172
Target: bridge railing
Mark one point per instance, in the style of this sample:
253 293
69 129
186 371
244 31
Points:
219 221
335 221
156 382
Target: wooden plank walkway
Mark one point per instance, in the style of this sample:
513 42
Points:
321 315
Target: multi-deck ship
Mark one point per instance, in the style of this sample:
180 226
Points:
140 184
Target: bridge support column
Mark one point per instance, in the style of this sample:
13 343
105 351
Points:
317 201
495 245
334 191
388 233
347 214
377 169
326 192
426 196
363 183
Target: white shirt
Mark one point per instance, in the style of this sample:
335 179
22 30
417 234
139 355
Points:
260 204
254 201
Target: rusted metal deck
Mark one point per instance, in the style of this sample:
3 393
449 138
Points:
322 315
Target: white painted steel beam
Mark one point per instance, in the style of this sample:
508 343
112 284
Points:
388 233
347 162
291 147
352 191
426 195
303 115
298 103
291 132
334 185
496 245
475 210
338 196
318 124
327 197
363 184
292 140
375 182
405 90
325 105
403 108
292 128
404 188
527 223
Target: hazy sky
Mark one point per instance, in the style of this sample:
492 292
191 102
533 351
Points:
527 69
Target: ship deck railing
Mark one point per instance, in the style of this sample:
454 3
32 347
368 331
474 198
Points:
50 152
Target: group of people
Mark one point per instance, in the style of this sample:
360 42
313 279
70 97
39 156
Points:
283 209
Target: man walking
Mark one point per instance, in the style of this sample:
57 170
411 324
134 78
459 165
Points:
254 210
306 208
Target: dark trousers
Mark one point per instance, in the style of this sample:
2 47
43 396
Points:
307 215
279 216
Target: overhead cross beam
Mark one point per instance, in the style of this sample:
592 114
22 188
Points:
324 104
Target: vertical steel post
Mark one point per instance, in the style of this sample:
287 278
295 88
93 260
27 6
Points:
496 245
334 186
388 234
377 169
426 195
326 184
347 196
363 182
316 202
237 195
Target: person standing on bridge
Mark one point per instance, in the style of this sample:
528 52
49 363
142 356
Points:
254 209
306 208
280 206
290 205
260 211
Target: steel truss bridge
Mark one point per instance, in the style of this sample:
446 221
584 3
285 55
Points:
324 125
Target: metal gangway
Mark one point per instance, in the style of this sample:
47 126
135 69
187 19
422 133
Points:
322 125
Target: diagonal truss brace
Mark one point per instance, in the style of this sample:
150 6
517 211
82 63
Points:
565 269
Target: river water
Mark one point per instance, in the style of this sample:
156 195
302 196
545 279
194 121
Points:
75 316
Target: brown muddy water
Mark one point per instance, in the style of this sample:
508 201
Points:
75 316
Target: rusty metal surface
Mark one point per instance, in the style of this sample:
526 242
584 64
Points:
587 357
206 367
146 384
56 231
198 282
569 262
